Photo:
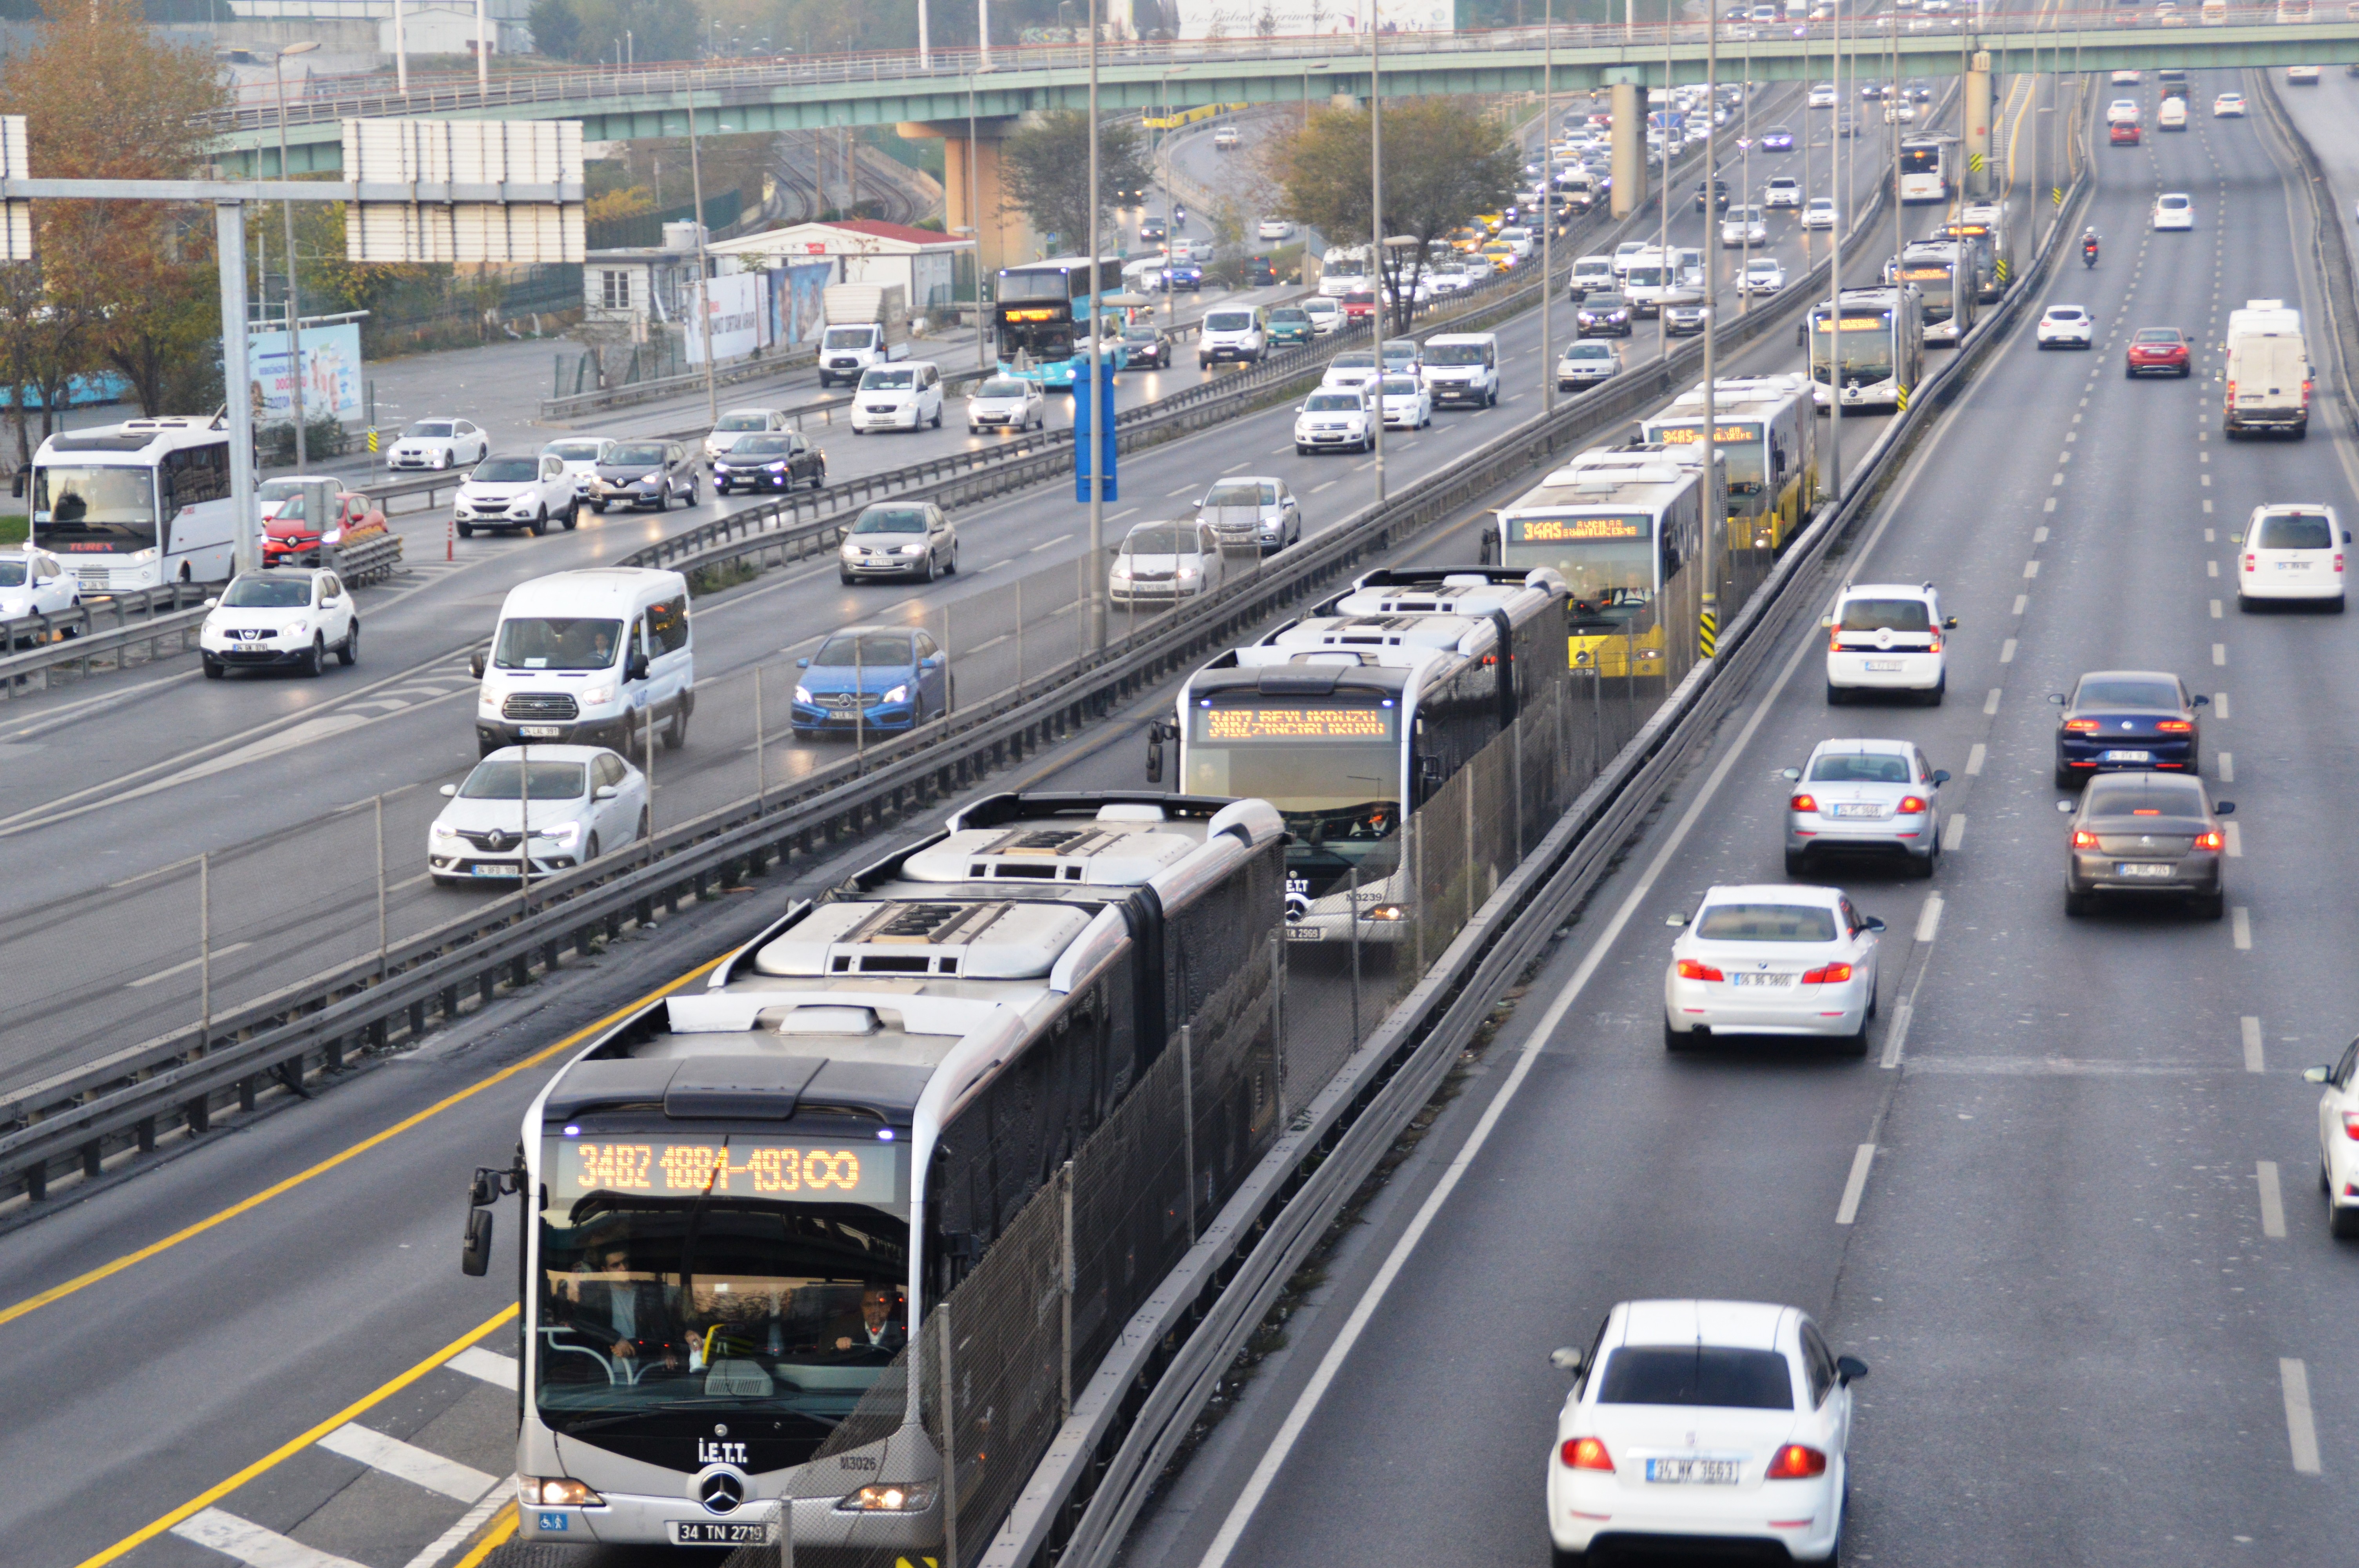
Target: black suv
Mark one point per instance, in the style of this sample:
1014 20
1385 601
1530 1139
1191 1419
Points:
643 473
767 459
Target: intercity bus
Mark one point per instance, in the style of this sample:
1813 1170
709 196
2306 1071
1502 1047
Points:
137 504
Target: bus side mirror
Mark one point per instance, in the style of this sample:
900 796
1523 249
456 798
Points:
17 484
477 660
1158 731
475 1245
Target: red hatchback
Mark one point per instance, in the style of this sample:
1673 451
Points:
1360 305
2159 351
2123 133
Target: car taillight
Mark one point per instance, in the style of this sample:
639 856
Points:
2082 726
1588 1453
2232 394
2338 563
1803 803
1689 969
1936 644
1832 975
2351 1124
2249 562
1910 805
2212 840
2305 392
2084 839
2175 726
1796 1462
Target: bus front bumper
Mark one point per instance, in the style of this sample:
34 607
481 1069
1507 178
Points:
635 1520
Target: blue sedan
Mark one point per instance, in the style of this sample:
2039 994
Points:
1183 275
2115 719
1776 139
872 680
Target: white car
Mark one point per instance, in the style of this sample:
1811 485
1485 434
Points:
1275 229
1853 797
1762 274
1225 139
1352 368
1592 275
2066 327
2228 106
1405 402
1820 212
578 802
32 583
1783 190
2291 552
286 618
2338 1141
1627 249
1887 637
739 422
1587 362
1902 113
508 493
905 397
2123 111
1744 226
580 455
1824 95
2174 210
1007 403
1771 960
1447 277
1334 419
1727 1420
439 444
2301 76
2128 78
1165 562
1326 314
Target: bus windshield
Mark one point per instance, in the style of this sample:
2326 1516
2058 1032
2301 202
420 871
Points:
1333 769
1608 562
111 508
1738 442
1921 160
719 1271
1867 348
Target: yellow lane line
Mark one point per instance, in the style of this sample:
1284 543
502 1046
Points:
104 1270
293 1445
503 1524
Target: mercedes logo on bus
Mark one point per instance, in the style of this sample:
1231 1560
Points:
720 1492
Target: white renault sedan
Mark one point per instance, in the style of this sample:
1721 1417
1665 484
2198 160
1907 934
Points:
2174 210
1762 274
578 801
1771 960
2066 327
1729 1421
1864 797
2291 554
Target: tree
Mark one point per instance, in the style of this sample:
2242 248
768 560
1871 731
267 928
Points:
1045 173
556 29
1444 163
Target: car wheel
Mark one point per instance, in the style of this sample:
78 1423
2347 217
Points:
599 507
573 517
1855 1042
213 669
540 522
348 652
1673 1040
937 418
675 733
2212 905
1797 862
590 849
928 574
844 576
2186 371
466 531
951 569
2077 904
1933 697
441 460
695 492
1835 695
2342 1224
1923 870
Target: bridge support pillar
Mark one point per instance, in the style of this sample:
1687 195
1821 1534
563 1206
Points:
973 196
1977 161
1629 148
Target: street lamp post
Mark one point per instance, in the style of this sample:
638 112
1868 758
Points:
296 405
1547 215
1376 222
1715 515
1101 417
704 262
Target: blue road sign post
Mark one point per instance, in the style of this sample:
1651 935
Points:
1093 436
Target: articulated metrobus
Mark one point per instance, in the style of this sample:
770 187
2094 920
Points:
138 504
741 1203
1041 316
1350 717
1941 272
1869 350
1624 527
1924 169
1984 228
1769 445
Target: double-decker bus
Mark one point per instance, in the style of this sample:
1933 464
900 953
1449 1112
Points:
137 504
1942 274
1350 719
1624 526
1982 228
1768 444
1924 169
740 1204
1868 349
1044 313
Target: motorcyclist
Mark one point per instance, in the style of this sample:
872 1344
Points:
2088 247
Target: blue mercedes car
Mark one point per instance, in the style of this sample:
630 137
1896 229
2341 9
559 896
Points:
1776 139
873 680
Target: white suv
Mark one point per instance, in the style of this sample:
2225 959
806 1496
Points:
1333 419
281 619
1783 190
902 396
1887 637
2291 552
2067 327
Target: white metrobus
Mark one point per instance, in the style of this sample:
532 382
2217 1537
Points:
138 504
1924 169
1871 352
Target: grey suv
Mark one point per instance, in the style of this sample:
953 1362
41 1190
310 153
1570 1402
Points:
643 473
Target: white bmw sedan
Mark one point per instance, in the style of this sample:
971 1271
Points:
1699 1418
1855 797
1771 960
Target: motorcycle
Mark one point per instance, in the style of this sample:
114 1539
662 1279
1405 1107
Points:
2088 253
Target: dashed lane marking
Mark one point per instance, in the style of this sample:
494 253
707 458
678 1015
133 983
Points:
1928 919
2302 1428
2030 568
251 1544
1954 833
2227 767
2264 1177
2220 704
2219 652
2234 837
2051 504
185 968
2251 1028
2006 651
364 1445
1896 1039
1989 703
1856 1187
2240 928
1974 760
2039 534
2215 609
2022 603
2212 568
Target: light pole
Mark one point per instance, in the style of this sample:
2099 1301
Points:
1101 417
295 406
975 221
1842 192
1376 222
1547 215
704 262
482 55
1715 516
401 52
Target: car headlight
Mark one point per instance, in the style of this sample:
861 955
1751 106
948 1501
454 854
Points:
149 554
650 482
776 468
297 629
1121 572
598 696
1189 574
879 1498
562 834
913 550
1386 912
898 694
556 1492
443 832
803 695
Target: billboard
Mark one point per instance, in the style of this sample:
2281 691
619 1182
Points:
1279 18
740 316
331 374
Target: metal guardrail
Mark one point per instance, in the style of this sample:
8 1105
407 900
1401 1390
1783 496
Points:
94 630
1131 1416
371 560
2330 250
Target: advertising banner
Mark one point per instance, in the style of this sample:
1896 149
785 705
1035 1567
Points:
739 318
331 374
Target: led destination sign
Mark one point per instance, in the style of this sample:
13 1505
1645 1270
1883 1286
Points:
1559 530
741 1168
1301 723
1689 435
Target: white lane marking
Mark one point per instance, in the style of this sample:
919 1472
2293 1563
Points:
471 1521
2206 478
1928 919
2215 609
253 1545
2251 1028
2200 457
2264 1173
1856 1187
2039 534
1167 495
2057 478
492 1368
1043 545
1115 517
1975 760
2006 651
2211 568
1989 703
462 1483
2227 761
2022 603
2208 537
379 705
2219 652
2220 704
2030 568
1954 834
184 969
991 567
1314 489
2236 838
2051 504
2240 926
2302 1431
1897 1037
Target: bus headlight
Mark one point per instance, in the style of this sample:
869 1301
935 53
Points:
914 1497
143 556
1386 912
556 1492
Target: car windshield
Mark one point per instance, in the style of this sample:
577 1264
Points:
1453 353
635 457
2158 335
14 574
1589 351
1283 313
2173 203
890 520
1229 321
743 422
572 452
1400 386
506 471
998 386
1355 360
763 447
1332 403
1246 493
1131 334
1159 542
267 593
276 490
2128 691
1885 615
1866 768
1761 266
1602 302
1708 1375
429 430
557 643
1767 923
2064 313
1644 277
502 778
888 381
869 650
2294 531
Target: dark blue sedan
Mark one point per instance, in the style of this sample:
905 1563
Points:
872 680
2117 720
1776 139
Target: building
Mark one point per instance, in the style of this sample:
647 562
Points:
433 29
925 265
649 284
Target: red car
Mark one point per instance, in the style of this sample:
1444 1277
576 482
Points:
290 538
1360 305
2159 350
2123 133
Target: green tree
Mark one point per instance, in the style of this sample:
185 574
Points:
1045 173
556 30
1445 162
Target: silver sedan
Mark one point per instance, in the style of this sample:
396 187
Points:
1864 797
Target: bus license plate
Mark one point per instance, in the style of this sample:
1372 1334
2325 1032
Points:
2143 869
718 1532
1305 933
2129 756
1692 1472
538 731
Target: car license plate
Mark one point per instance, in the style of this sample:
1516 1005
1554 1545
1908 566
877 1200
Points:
1760 981
538 731
1692 1472
1885 667
491 871
718 1532
2143 869
1305 933
1858 811
2129 756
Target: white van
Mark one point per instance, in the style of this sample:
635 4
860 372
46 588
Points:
1233 332
2269 380
593 659
2171 114
1591 273
1462 367
902 396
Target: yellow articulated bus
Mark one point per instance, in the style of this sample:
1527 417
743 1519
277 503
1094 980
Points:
1624 526
1768 442
1179 118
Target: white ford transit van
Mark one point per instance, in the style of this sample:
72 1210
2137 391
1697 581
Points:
1462 367
595 658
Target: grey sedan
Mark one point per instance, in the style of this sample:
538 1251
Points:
2147 833
1252 512
1871 798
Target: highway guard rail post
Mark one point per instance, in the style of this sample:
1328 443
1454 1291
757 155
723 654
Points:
1130 1417
104 626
